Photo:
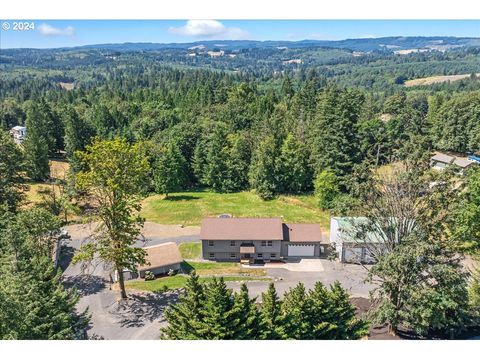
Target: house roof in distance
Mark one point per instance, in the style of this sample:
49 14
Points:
241 229
161 255
303 232
458 160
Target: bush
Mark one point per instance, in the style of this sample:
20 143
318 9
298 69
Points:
326 189
172 272
149 276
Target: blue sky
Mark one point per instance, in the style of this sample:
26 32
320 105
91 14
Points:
65 33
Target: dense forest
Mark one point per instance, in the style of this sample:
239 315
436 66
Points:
260 128
250 119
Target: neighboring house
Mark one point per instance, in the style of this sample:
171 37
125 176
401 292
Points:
160 260
258 239
440 161
18 133
351 245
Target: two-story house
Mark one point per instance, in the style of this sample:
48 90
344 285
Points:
258 239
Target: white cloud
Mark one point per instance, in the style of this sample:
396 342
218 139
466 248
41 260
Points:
211 29
48 30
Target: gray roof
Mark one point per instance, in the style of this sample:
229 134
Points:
241 229
460 161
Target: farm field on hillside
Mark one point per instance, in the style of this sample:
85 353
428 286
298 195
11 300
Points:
188 208
435 79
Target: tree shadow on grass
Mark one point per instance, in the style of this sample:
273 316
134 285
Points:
180 197
141 308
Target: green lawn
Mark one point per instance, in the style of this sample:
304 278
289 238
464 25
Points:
179 281
221 268
190 250
188 208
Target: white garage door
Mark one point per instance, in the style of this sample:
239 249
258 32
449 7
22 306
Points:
301 250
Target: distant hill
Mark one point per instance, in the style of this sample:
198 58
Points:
387 44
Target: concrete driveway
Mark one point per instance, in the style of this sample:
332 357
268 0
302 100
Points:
303 265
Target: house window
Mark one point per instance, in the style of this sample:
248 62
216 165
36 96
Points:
264 243
272 256
210 243
211 256
260 256
233 256
270 243
232 243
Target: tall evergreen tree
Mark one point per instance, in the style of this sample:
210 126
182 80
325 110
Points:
263 169
296 309
333 136
185 318
78 134
220 316
293 166
248 316
11 172
169 170
36 145
271 314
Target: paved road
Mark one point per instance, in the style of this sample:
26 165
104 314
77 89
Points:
141 316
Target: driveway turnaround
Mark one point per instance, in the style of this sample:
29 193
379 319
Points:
352 277
141 316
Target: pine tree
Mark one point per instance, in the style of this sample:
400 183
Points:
33 301
322 321
270 311
185 318
220 317
36 146
296 309
293 167
341 312
248 315
78 134
11 175
334 135
169 170
262 169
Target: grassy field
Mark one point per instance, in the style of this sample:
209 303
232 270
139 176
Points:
178 281
435 79
58 171
188 208
190 250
